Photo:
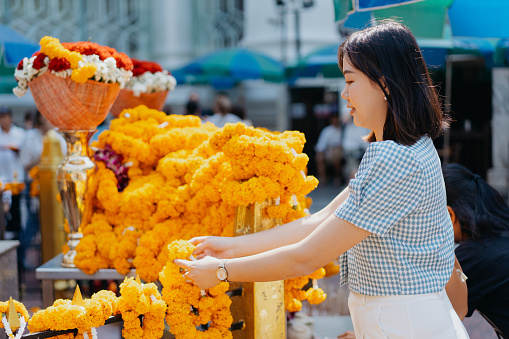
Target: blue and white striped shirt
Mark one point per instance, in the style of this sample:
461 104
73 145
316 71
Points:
398 195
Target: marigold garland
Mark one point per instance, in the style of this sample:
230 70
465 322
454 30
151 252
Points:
62 315
185 179
20 308
141 299
188 307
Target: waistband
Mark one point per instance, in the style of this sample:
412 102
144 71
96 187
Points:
362 298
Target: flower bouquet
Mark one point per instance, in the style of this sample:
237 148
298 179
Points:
73 84
149 86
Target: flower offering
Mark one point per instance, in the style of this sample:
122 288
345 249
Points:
80 61
150 77
149 86
189 307
73 84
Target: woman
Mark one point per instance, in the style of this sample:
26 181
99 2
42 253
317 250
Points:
481 227
391 225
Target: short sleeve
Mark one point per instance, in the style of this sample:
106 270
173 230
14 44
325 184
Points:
386 189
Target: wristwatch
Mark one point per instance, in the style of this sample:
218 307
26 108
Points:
222 273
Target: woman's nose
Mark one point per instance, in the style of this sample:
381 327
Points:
344 93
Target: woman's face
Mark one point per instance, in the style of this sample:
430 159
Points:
365 99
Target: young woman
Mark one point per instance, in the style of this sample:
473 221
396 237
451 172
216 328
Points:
390 226
481 227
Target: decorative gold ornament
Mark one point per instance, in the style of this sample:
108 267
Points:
72 176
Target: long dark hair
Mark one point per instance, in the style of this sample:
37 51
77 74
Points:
388 54
480 209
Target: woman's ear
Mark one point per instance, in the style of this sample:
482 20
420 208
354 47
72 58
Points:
452 214
384 85
458 233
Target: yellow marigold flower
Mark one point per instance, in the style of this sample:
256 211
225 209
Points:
294 305
82 74
53 49
315 295
318 274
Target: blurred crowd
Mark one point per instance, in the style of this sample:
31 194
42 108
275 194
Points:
20 151
223 110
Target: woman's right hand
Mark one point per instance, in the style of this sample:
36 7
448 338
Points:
218 247
347 335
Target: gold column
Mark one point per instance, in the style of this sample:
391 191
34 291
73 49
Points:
262 306
53 234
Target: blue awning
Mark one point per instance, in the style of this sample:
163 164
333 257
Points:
15 46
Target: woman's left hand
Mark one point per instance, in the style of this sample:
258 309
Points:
202 272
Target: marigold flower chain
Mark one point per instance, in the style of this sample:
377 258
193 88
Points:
141 299
20 308
185 179
62 315
187 306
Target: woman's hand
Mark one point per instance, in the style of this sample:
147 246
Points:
202 272
217 247
347 335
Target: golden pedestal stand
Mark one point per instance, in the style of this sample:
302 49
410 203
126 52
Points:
262 306
53 235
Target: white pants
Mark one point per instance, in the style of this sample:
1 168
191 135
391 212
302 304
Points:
426 316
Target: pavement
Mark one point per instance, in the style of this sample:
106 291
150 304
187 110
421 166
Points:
330 318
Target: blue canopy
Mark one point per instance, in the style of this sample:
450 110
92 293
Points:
15 46
225 68
483 19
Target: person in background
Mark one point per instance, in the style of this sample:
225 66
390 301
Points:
329 151
29 120
31 151
239 111
193 105
353 144
222 111
193 108
480 218
11 141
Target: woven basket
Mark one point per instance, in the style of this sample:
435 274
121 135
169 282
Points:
71 106
126 99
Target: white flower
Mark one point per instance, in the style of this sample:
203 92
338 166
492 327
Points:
152 82
19 92
110 62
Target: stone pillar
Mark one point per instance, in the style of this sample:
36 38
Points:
53 235
498 176
172 32
9 270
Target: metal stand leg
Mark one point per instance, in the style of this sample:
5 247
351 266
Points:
47 293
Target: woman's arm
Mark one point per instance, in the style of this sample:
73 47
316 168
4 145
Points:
330 239
457 291
283 235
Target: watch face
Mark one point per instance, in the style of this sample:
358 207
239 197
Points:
221 274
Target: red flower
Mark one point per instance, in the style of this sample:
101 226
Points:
89 48
20 65
142 66
39 61
59 64
123 61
